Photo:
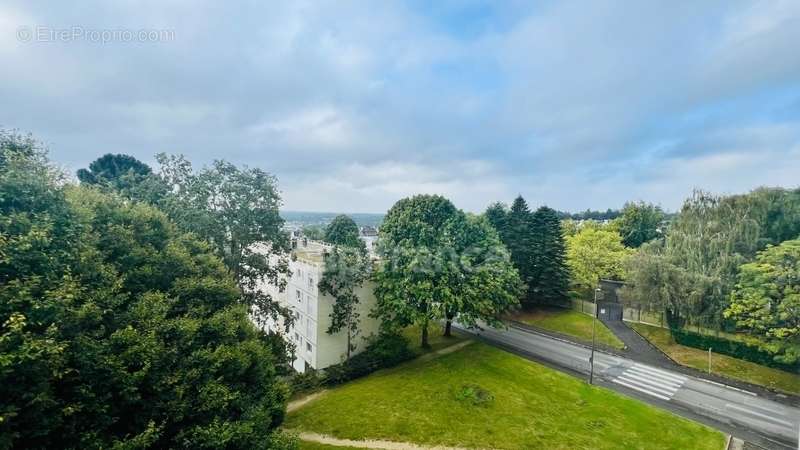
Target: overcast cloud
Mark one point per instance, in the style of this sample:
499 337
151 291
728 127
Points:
354 105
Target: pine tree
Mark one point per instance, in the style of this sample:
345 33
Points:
549 280
497 215
518 239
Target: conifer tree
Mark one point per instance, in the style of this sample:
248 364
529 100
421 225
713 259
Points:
549 281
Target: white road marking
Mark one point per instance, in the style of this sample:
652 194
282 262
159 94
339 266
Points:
756 413
646 385
630 386
650 381
658 373
669 389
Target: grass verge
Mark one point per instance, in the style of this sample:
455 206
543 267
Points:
483 397
569 322
720 364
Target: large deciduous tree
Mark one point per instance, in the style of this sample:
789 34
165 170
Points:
436 263
640 222
343 231
119 330
483 281
595 253
236 210
766 299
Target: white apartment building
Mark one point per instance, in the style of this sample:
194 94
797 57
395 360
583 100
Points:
314 347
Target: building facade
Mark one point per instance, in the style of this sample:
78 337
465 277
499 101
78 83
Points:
314 347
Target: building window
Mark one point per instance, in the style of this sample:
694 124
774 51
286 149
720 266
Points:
299 296
297 337
310 282
308 346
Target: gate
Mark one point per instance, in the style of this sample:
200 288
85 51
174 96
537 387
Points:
609 311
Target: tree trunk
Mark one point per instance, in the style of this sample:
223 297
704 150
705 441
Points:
425 343
348 344
447 328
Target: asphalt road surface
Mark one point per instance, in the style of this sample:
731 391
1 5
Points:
741 413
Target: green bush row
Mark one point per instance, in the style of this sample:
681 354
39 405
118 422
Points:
385 350
737 349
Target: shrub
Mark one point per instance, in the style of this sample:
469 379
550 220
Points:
385 350
737 349
310 380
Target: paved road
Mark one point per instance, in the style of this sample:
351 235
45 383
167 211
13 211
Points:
738 412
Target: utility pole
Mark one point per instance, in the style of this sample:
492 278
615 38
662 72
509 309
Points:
709 360
594 319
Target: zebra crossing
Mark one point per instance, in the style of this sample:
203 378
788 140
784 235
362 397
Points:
651 381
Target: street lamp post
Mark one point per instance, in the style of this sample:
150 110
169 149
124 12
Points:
594 319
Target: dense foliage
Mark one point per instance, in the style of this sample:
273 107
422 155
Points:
343 231
596 253
536 244
118 329
236 210
766 299
438 263
710 248
550 273
639 222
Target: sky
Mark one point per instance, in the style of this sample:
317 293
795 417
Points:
354 105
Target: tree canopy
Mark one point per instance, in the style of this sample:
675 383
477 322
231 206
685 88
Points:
236 210
120 330
639 223
766 299
343 231
437 263
594 254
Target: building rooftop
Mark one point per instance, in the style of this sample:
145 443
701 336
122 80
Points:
309 250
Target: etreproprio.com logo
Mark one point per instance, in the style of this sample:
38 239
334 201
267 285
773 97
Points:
93 35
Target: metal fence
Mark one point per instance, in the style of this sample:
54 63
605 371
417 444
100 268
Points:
630 313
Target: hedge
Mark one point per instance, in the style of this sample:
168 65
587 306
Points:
385 350
737 349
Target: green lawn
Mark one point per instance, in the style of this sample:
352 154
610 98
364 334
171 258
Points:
436 339
483 397
570 322
720 364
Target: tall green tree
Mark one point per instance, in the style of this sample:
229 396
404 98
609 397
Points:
594 254
707 242
550 275
236 210
126 175
483 281
766 299
431 266
346 270
519 240
343 231
639 223
113 169
119 330
497 215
